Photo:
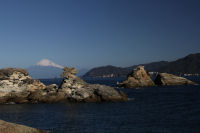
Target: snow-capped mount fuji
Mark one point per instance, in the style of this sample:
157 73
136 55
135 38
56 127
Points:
45 69
46 62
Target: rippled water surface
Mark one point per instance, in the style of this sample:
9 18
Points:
174 109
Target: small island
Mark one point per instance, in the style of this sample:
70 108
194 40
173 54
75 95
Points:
140 78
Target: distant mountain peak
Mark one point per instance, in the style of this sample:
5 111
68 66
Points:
46 62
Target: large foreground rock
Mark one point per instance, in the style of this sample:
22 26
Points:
138 78
16 85
170 79
78 90
7 127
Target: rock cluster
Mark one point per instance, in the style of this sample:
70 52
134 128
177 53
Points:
78 90
169 79
7 127
138 78
16 86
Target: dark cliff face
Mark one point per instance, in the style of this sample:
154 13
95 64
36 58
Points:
189 64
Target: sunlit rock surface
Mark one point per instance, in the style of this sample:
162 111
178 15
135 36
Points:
138 78
170 79
78 90
16 86
7 127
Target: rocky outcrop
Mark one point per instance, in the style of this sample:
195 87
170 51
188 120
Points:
170 79
16 86
7 127
138 78
78 90
50 94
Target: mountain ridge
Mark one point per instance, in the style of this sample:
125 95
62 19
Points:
189 64
46 62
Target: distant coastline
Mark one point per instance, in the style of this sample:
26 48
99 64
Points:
186 66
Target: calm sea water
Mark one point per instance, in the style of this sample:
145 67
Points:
172 109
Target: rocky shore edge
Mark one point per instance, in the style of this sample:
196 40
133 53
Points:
8 127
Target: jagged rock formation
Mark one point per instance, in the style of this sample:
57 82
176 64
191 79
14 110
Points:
50 94
16 86
170 79
138 78
78 90
7 127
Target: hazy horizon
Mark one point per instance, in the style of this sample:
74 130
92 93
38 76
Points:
88 68
89 33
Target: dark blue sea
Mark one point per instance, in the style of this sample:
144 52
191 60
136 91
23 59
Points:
168 109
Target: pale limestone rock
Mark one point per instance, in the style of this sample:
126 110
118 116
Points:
170 79
138 78
78 90
16 84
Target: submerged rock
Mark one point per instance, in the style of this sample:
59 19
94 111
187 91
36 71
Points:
138 78
170 79
78 90
7 127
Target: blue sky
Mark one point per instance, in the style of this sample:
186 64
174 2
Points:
89 33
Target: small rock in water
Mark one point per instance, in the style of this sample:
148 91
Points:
170 79
138 78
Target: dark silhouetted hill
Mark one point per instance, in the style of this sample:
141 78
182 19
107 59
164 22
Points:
189 65
113 71
107 71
